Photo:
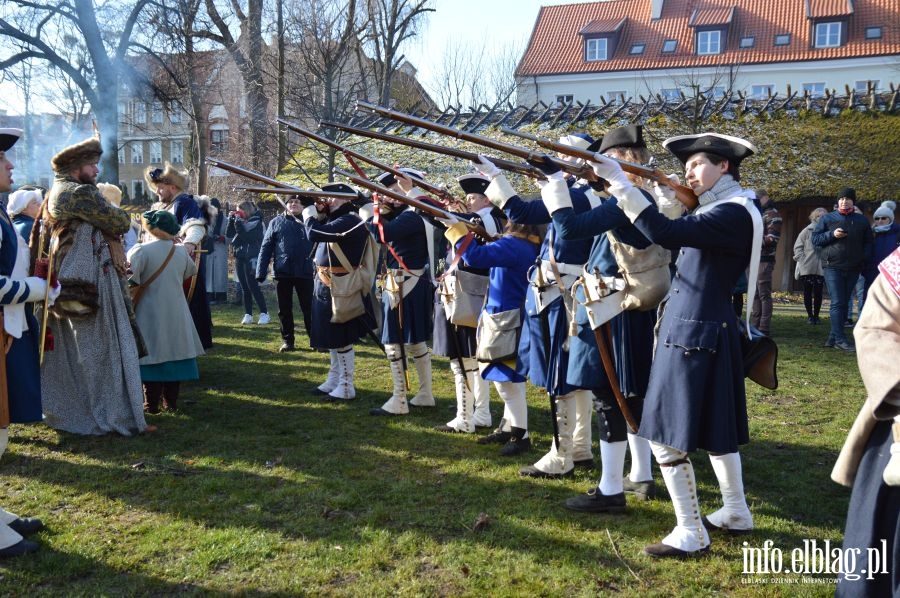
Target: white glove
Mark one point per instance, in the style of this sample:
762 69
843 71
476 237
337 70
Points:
486 167
891 474
310 212
54 293
609 170
448 220
665 198
366 211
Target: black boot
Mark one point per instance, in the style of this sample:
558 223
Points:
152 394
518 443
170 395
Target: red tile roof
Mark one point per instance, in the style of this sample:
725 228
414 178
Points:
712 15
557 47
829 8
602 26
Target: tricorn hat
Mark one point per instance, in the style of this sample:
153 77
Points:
169 174
473 183
8 138
76 156
733 149
627 136
387 179
341 188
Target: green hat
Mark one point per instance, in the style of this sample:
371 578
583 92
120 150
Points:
163 220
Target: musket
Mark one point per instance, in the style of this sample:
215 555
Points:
508 165
683 193
446 196
583 171
283 191
256 176
428 208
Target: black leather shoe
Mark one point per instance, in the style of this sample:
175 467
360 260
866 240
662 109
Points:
18 549
664 551
448 429
640 490
515 446
596 502
287 348
26 526
829 343
498 436
585 463
533 472
710 526
380 411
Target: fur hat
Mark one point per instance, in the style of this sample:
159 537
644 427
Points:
19 200
169 175
848 192
76 156
886 210
111 193
731 148
8 138
473 183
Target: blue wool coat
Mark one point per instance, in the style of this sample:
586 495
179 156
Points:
696 396
345 228
508 259
405 232
632 331
548 369
287 246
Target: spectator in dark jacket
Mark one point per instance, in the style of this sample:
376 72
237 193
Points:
287 245
844 242
761 310
246 228
887 238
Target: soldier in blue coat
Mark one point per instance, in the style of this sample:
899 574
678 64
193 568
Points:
334 222
407 296
543 349
23 378
695 396
632 329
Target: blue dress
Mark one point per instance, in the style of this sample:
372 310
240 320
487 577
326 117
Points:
185 208
545 361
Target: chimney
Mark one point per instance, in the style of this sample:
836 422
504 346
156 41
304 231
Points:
656 7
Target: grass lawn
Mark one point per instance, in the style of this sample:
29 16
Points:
256 487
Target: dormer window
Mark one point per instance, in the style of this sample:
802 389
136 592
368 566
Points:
828 35
669 46
596 49
709 42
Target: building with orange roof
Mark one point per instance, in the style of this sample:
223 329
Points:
603 51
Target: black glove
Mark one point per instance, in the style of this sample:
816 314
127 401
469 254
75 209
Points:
545 164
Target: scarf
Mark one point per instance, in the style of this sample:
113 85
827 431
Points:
725 188
846 211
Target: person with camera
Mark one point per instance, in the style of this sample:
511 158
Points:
286 245
245 229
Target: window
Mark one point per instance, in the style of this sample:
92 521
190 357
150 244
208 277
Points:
669 46
156 152
137 152
783 39
816 90
828 35
873 32
863 86
563 100
717 92
122 110
637 49
176 151
175 113
615 96
748 42
709 42
139 112
218 140
156 113
595 49
121 153
670 93
137 191
761 92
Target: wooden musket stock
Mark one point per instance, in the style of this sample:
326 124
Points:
260 178
683 193
307 193
416 203
509 165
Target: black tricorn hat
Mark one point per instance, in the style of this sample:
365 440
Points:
387 179
473 183
8 138
627 136
339 188
734 149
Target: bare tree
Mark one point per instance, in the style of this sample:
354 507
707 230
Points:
474 74
390 24
39 31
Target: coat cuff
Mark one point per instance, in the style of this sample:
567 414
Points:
193 231
556 195
455 232
499 191
630 200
